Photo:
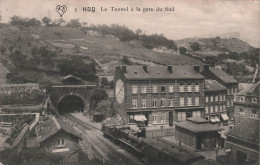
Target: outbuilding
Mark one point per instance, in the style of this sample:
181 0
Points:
198 133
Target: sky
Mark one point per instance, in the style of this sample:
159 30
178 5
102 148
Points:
190 18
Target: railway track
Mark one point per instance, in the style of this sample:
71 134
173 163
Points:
113 153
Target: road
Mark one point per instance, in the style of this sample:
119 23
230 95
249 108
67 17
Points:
114 153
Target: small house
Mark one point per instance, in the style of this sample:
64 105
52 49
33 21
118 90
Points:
58 137
198 133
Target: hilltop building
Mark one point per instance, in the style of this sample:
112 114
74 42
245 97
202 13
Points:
225 80
159 95
247 104
215 102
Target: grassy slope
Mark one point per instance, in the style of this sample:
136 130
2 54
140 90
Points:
214 46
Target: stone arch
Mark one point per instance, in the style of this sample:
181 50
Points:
70 103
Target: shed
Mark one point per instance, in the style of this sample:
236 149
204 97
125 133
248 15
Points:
198 133
98 117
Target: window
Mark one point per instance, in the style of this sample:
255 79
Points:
154 103
154 118
143 89
211 99
131 118
163 102
220 97
228 91
254 114
206 99
216 108
181 101
241 112
242 99
224 108
254 100
134 89
134 103
189 101
216 98
211 109
197 101
232 103
235 90
197 88
61 143
232 91
196 113
189 88
182 87
224 97
163 89
171 102
206 110
228 103
143 103
181 116
221 108
170 88
154 88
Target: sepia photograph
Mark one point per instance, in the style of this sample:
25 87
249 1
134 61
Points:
129 82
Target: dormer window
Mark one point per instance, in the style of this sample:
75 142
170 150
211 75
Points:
254 100
242 99
61 143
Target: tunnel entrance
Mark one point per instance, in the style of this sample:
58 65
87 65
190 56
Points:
70 104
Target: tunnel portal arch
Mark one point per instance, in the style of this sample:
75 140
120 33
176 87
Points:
71 103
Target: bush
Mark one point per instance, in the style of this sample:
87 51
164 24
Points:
182 50
195 46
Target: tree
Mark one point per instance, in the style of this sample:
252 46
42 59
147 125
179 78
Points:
96 96
138 31
195 46
126 61
16 20
34 22
211 60
46 20
74 23
104 81
3 49
182 50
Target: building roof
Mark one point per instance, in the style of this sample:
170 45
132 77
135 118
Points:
198 125
247 130
223 75
253 90
162 72
53 126
213 85
243 86
180 156
205 162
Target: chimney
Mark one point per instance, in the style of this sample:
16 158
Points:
124 69
145 69
169 68
197 68
206 67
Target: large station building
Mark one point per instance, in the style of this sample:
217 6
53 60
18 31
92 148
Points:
159 95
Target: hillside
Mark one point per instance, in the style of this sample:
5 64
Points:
67 43
214 46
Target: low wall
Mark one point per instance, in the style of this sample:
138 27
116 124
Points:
160 132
